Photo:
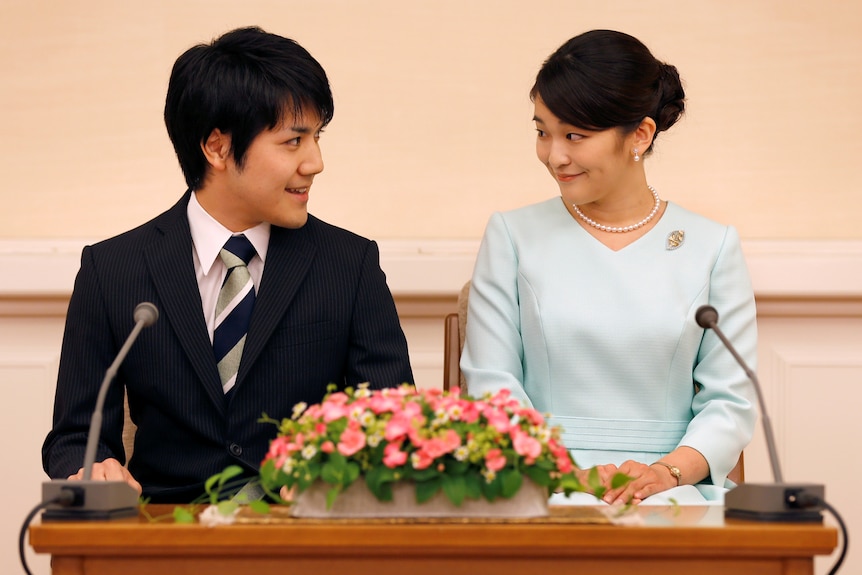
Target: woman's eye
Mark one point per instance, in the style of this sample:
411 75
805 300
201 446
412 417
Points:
540 132
574 137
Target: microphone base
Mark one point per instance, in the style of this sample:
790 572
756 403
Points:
788 502
93 500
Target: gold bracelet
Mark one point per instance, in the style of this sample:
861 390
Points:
674 470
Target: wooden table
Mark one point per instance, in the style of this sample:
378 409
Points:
693 540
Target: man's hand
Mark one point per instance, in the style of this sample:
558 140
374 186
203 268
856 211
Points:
110 470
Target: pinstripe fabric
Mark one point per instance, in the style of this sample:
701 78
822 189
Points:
233 309
323 314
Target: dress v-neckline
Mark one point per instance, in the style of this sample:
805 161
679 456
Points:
599 242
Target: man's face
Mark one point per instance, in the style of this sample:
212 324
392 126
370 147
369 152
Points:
275 179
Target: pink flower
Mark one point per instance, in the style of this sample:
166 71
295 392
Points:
470 412
526 446
499 420
327 447
495 460
532 416
295 444
397 427
393 456
277 446
556 449
379 403
420 460
564 464
352 440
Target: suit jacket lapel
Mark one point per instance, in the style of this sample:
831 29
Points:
288 259
171 266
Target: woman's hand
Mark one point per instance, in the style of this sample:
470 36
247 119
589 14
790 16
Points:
646 480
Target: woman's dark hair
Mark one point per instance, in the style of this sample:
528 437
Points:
605 79
242 83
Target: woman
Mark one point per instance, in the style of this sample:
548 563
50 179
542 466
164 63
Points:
583 305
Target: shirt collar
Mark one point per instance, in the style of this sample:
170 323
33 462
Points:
209 236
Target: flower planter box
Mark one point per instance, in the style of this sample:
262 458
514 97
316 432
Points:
531 500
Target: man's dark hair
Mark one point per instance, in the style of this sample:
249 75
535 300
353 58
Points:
242 83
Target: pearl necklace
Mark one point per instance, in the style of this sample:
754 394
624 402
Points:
624 229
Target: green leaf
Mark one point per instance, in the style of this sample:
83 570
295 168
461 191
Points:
455 467
330 497
227 507
455 488
427 489
334 471
208 484
425 474
539 476
382 491
259 506
473 484
491 490
619 480
229 472
351 473
593 481
379 481
570 484
183 515
511 481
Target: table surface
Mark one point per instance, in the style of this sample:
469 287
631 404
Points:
690 537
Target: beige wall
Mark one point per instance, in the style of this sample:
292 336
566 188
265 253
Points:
432 128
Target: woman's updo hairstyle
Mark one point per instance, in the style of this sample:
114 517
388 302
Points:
605 79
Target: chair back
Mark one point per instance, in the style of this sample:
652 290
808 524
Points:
454 330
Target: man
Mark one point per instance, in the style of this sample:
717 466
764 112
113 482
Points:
244 115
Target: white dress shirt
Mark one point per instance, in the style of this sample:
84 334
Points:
208 238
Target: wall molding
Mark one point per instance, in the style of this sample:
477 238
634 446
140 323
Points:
790 277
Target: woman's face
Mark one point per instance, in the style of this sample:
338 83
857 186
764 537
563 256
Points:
587 165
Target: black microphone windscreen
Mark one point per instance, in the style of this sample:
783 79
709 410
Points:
706 316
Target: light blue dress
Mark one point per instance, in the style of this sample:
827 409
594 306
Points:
606 342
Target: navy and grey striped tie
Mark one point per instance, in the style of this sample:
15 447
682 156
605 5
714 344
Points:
233 309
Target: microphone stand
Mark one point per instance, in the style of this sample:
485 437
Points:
86 498
777 501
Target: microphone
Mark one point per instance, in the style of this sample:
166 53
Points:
777 501
99 499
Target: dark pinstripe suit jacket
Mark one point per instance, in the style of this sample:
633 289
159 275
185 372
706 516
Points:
323 314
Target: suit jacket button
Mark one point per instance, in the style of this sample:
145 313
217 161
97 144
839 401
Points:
235 449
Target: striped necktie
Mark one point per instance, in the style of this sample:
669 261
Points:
233 309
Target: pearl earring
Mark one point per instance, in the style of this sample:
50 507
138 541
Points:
637 157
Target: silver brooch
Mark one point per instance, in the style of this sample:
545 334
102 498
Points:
675 239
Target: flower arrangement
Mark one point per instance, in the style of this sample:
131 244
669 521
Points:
468 448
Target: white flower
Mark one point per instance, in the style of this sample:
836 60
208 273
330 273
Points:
299 408
211 516
462 453
374 439
366 418
309 451
489 475
439 422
